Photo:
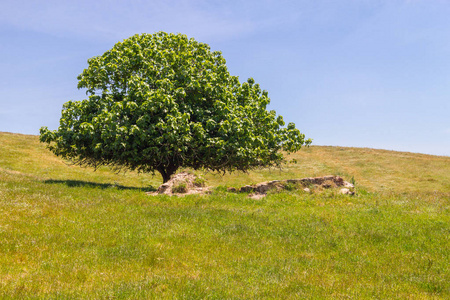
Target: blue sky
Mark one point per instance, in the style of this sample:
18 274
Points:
367 73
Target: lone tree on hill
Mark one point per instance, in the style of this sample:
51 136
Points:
158 102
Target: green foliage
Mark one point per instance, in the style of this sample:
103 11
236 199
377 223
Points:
199 182
160 102
288 186
180 188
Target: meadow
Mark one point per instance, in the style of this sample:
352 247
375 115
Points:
71 233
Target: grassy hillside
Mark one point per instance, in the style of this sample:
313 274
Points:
373 170
69 232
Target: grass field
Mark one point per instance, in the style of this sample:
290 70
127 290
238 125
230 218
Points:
71 233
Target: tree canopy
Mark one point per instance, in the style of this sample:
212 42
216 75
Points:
158 102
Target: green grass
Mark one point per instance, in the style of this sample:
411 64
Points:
71 233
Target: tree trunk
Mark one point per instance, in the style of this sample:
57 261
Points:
167 171
166 177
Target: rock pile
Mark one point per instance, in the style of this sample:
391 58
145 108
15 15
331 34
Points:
182 183
186 183
330 181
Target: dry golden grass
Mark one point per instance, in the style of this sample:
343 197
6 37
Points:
24 153
372 169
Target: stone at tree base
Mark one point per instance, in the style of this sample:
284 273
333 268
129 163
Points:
181 178
163 188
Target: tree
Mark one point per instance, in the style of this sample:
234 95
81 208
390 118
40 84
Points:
158 102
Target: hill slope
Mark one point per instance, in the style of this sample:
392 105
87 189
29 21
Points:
373 170
71 233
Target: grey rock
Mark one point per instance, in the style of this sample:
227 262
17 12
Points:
246 189
346 191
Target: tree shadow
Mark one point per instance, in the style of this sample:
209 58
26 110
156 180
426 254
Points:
81 183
